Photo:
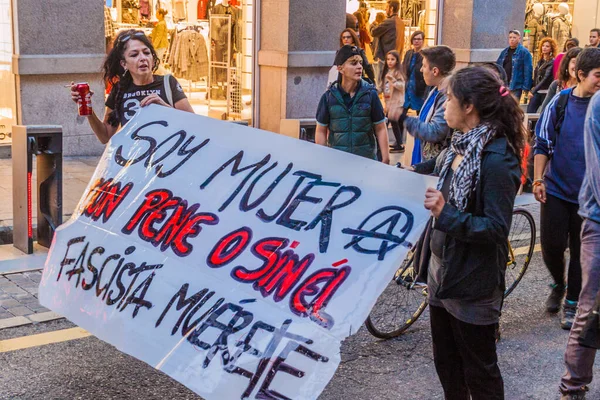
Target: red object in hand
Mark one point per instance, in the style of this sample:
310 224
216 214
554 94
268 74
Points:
85 103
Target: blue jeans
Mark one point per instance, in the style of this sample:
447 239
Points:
579 360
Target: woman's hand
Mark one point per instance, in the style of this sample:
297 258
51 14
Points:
153 99
388 77
434 201
539 191
75 94
530 95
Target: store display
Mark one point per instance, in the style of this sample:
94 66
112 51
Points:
547 19
189 55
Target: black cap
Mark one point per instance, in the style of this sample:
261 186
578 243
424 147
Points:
345 53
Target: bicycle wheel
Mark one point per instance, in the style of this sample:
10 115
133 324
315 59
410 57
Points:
400 304
521 244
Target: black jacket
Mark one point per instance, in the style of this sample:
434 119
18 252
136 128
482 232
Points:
421 86
543 75
476 246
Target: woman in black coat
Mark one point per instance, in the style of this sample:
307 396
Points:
543 74
415 83
467 251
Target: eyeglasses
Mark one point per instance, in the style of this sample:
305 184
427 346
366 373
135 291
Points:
125 38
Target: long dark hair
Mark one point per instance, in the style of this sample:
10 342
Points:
563 68
494 103
113 71
386 69
352 33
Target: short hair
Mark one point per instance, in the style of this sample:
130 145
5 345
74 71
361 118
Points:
563 68
394 5
516 32
417 33
553 46
441 57
597 30
587 60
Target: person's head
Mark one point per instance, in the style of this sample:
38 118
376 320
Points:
132 57
349 37
570 44
566 69
417 40
496 69
360 17
548 47
594 37
476 96
392 59
514 37
588 70
160 14
438 63
379 18
393 6
349 63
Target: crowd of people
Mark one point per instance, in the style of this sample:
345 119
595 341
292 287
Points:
468 129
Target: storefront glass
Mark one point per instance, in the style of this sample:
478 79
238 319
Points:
559 20
8 115
417 15
210 49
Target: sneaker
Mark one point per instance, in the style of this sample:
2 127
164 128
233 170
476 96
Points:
397 149
568 314
555 298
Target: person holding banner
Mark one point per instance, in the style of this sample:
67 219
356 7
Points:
465 255
130 67
350 110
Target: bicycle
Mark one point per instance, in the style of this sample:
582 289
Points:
405 299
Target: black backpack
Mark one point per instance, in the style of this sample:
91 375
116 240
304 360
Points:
561 108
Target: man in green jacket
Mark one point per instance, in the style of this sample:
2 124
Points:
350 116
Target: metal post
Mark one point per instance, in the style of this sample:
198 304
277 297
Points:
45 142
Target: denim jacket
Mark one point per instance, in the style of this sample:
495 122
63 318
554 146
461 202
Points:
589 196
522 68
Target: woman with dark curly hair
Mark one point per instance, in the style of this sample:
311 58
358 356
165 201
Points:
542 76
467 249
130 67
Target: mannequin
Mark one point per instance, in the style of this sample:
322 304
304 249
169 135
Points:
536 30
561 26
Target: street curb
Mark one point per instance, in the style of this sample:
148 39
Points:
14 322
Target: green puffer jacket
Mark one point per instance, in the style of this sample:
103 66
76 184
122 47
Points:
351 130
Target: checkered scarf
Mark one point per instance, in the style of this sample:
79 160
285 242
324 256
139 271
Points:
469 145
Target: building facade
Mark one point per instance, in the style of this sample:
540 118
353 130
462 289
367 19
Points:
263 61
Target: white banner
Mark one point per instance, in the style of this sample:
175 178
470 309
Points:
233 259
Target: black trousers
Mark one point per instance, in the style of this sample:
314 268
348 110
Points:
561 226
398 130
465 358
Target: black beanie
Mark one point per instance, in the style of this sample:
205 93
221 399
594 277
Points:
345 53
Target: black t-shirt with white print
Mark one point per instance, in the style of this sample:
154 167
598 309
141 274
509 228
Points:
134 94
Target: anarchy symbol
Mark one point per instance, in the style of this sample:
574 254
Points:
384 231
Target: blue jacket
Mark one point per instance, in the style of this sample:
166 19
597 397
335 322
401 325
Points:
566 167
589 196
522 70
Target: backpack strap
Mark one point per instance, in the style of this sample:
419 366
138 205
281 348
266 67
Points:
167 88
561 108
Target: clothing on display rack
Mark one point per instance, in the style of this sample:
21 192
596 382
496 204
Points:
189 55
203 7
179 10
236 26
145 9
130 13
561 30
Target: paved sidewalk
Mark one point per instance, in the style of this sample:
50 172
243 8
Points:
77 172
